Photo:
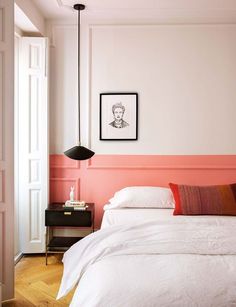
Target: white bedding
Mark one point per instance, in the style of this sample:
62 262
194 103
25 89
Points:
191 263
126 216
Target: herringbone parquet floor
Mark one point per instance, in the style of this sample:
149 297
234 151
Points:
37 284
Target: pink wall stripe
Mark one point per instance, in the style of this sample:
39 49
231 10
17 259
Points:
99 178
161 162
58 161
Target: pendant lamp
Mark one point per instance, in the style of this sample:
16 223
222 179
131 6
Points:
79 152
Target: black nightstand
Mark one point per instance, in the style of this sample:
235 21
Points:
58 216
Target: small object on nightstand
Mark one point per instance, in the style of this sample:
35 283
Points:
75 203
72 194
57 215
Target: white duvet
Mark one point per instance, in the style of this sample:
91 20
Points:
154 264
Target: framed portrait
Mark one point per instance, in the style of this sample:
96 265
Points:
119 116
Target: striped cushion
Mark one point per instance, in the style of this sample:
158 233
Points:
204 200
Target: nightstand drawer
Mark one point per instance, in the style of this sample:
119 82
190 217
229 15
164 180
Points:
68 218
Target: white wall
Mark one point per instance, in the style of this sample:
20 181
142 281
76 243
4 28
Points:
63 89
184 74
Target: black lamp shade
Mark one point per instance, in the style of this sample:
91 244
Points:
79 153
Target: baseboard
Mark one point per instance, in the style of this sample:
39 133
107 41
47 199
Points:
18 258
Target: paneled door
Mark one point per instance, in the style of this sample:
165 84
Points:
33 143
6 149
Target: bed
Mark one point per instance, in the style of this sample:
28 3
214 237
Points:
146 257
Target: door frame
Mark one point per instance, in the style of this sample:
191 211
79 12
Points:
7 148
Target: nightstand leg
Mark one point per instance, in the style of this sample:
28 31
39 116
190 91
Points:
46 247
93 220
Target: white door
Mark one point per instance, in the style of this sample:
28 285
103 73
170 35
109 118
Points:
6 148
33 143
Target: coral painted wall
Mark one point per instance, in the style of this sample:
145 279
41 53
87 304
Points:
97 179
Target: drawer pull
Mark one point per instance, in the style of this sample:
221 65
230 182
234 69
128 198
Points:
67 213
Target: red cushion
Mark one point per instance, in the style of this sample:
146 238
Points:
204 200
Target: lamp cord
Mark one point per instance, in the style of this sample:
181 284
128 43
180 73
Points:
79 75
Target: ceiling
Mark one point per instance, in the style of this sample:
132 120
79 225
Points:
211 10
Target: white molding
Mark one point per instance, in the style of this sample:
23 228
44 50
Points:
62 5
18 33
7 134
156 25
18 257
2 72
2 13
35 222
165 15
155 14
34 171
2 221
2 179
17 242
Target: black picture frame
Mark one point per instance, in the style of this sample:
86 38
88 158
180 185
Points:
114 126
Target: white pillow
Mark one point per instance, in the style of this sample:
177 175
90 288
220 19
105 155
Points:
142 197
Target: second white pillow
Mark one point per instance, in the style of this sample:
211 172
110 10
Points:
142 197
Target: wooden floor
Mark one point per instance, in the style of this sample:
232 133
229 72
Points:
37 284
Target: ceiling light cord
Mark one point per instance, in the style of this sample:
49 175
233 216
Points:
79 152
79 126
79 7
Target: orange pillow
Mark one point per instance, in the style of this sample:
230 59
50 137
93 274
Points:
204 200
